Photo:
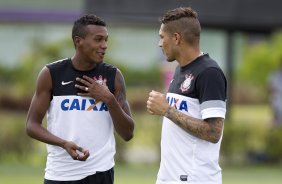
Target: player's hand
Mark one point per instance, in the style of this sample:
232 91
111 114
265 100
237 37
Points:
157 103
76 152
94 88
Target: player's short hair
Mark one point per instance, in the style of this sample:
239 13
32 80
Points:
79 26
183 20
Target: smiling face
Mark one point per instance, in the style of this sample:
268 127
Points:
166 43
92 47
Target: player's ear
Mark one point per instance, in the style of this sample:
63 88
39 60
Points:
176 38
77 41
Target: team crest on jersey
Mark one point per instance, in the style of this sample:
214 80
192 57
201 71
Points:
101 80
186 83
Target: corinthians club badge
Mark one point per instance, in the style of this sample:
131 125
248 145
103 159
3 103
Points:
101 80
186 83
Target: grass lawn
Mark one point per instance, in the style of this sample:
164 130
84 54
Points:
252 175
146 174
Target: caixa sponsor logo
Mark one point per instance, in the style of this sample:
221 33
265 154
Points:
82 105
177 103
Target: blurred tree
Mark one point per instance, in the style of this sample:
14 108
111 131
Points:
251 75
24 75
260 60
20 80
274 144
150 77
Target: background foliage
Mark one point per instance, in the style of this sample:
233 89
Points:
260 60
248 135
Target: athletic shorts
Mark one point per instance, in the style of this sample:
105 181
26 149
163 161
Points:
106 177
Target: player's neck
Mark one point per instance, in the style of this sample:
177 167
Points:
81 64
188 56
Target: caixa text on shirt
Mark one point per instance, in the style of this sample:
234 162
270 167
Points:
82 105
177 103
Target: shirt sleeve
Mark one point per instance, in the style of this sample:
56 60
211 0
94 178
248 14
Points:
212 90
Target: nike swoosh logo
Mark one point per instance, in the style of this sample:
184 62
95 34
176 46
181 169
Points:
65 83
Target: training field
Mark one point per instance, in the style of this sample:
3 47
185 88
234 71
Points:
145 174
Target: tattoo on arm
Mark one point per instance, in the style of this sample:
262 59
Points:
209 129
120 94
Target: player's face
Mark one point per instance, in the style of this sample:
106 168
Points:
165 43
93 46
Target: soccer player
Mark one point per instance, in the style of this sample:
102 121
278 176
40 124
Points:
194 107
85 101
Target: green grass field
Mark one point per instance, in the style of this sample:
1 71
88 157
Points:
146 174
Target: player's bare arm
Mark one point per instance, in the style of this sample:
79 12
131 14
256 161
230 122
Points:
116 103
208 129
123 121
39 105
120 93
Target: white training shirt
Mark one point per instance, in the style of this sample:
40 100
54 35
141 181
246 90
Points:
79 119
198 90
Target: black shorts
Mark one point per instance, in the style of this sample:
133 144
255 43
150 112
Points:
106 177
